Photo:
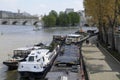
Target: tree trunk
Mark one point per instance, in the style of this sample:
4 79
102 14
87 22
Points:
100 35
113 39
106 34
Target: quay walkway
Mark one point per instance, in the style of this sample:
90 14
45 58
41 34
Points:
99 63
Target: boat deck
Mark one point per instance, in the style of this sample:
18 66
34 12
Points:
63 71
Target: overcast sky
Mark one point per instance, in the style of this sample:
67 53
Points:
40 6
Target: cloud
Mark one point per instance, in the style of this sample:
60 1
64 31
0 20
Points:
40 6
78 4
43 6
8 4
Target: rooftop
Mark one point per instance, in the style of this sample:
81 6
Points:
27 48
39 51
74 35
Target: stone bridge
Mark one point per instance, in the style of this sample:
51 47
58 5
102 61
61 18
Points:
20 21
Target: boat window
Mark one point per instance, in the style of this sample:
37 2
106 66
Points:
18 53
43 58
38 52
50 56
36 56
47 53
21 53
38 60
31 58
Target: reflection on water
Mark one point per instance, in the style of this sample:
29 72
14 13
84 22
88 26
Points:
12 75
12 37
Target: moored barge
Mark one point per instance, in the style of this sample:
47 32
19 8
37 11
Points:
67 65
37 63
19 54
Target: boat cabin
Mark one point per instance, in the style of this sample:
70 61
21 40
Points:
37 61
37 55
23 52
73 38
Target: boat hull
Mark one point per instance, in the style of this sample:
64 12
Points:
11 65
39 75
31 74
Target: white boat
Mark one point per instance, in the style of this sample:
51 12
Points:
19 54
73 38
37 62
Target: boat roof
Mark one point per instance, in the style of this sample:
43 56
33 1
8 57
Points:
39 51
62 75
28 48
74 35
66 59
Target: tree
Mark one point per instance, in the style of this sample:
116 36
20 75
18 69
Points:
104 13
49 21
63 19
54 13
74 18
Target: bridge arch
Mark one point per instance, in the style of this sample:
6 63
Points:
24 23
14 22
35 23
4 22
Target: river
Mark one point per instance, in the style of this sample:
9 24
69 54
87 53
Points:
12 37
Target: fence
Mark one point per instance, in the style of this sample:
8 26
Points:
116 39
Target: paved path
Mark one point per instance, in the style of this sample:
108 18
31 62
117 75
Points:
100 65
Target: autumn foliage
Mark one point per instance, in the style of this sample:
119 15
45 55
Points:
105 14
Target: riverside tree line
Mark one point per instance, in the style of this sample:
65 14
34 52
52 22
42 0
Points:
106 15
54 19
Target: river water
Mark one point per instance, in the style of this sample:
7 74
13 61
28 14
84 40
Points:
12 37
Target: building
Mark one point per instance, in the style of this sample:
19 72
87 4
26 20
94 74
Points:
68 10
8 14
26 14
82 17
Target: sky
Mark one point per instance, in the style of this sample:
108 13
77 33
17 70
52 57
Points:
40 7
